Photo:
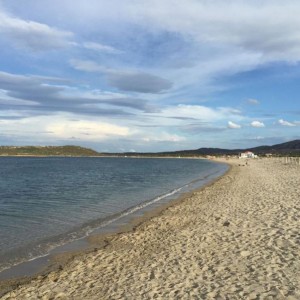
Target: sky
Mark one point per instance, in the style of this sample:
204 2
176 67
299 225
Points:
149 75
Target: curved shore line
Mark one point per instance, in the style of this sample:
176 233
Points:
55 262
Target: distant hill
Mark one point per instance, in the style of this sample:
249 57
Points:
289 148
46 151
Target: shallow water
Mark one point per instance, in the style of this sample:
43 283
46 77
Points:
45 202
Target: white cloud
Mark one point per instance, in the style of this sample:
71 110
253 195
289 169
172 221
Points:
210 40
101 48
235 28
64 127
257 124
285 123
33 35
199 112
87 66
232 125
225 38
240 24
86 130
163 137
266 27
253 101
189 119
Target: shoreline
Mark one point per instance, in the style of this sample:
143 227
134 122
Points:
57 259
236 238
105 156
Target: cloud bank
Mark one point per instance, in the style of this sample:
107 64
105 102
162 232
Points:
142 76
33 35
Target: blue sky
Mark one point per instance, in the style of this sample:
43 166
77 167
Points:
128 75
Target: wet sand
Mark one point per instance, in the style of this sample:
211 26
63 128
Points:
235 239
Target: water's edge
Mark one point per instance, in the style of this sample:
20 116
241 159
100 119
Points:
96 238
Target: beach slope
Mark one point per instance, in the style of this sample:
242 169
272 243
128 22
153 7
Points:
237 238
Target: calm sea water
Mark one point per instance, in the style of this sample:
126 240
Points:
45 202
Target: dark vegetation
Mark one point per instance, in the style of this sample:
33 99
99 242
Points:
285 149
47 151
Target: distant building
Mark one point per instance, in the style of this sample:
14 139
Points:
247 154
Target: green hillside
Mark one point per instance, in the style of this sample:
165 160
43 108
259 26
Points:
46 151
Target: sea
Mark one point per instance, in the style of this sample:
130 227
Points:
47 202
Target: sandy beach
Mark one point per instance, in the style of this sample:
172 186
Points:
237 238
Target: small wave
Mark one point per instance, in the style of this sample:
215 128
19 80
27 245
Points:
140 206
47 246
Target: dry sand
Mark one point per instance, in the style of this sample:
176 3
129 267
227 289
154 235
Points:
236 239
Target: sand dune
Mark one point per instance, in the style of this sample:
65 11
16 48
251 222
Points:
236 239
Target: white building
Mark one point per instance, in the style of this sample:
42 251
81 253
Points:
247 154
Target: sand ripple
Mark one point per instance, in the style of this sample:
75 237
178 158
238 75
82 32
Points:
236 239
